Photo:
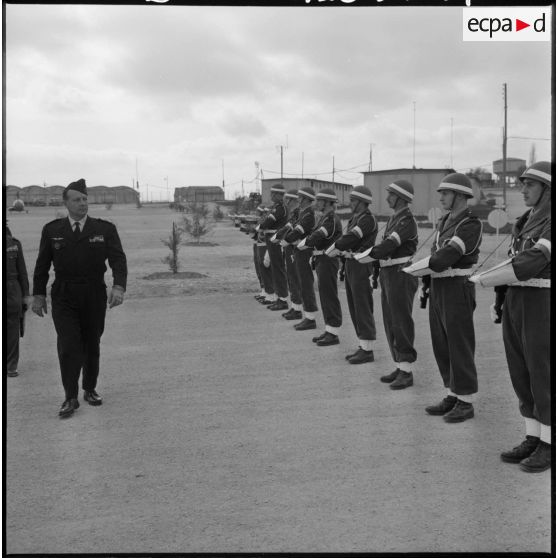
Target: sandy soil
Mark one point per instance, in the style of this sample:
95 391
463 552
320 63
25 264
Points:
225 430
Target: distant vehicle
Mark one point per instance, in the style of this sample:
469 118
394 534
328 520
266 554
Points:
55 202
38 202
18 205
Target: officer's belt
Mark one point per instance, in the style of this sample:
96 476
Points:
347 254
452 272
269 231
539 283
318 252
395 261
261 244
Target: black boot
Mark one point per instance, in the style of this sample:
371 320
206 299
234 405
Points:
443 407
388 378
461 411
540 460
403 380
524 450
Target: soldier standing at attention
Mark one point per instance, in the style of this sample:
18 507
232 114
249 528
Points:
361 235
452 298
78 247
526 317
326 232
395 251
17 295
263 272
273 221
303 256
295 311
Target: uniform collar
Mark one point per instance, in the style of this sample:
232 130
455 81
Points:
81 222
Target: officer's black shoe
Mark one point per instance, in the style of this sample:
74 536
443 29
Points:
279 305
461 411
362 356
347 357
403 380
288 312
259 297
524 450
540 460
443 407
388 378
296 315
318 337
305 324
328 339
266 302
92 397
68 407
13 373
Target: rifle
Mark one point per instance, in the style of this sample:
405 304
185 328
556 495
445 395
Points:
375 274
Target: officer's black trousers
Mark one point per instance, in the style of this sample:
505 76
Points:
452 303
278 270
306 279
257 265
12 340
359 298
526 332
78 312
398 292
292 275
265 272
326 272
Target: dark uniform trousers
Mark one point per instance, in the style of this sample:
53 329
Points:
398 293
292 276
306 279
359 298
278 270
78 312
452 303
525 327
257 264
326 272
14 314
265 276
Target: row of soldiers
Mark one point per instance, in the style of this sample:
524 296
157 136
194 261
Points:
290 243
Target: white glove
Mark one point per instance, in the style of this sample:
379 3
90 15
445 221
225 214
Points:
493 313
274 239
302 245
284 243
332 251
266 260
116 296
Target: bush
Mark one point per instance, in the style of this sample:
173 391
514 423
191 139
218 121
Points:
218 214
173 243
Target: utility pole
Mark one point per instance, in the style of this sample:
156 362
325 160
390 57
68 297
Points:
414 130
333 171
281 148
302 173
505 145
370 159
451 143
168 191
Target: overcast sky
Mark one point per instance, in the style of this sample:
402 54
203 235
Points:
187 91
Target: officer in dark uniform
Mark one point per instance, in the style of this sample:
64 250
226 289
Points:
326 232
273 221
17 295
303 256
452 298
78 247
361 235
526 317
398 289
263 273
291 202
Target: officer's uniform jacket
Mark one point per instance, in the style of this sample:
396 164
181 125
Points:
81 259
276 218
303 226
290 224
457 242
326 232
17 282
400 238
361 233
532 247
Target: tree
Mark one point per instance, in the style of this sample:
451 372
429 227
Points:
218 213
173 243
198 225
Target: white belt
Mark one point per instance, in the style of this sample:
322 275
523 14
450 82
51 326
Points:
452 272
318 252
261 244
539 283
348 255
396 261
269 231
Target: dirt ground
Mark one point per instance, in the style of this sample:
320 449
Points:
225 430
